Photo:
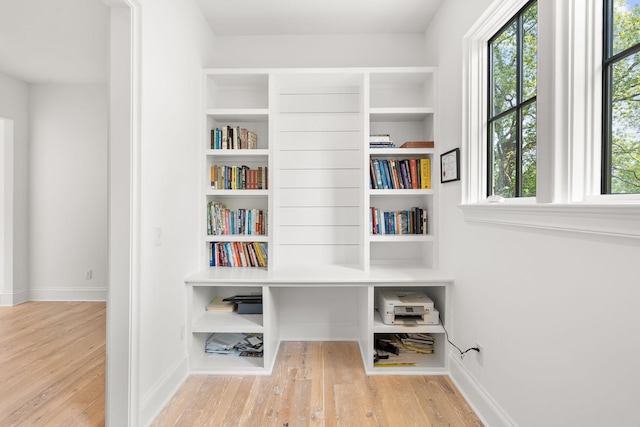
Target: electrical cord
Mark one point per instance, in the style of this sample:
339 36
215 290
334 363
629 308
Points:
446 334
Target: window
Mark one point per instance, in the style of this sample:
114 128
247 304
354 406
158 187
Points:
568 111
511 125
621 97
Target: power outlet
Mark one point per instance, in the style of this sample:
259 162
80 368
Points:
88 274
480 354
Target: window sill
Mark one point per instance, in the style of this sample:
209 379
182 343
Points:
620 219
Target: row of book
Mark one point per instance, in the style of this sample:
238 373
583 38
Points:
395 174
239 178
238 254
233 138
221 220
413 221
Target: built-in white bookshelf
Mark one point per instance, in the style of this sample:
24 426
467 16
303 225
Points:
235 101
325 264
402 105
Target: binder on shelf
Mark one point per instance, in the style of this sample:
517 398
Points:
247 304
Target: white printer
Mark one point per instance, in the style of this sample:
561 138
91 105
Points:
406 308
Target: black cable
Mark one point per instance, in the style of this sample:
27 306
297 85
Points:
446 334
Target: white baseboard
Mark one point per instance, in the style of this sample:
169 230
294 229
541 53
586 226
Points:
487 409
161 393
13 298
68 294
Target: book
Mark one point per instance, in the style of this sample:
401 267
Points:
404 173
218 304
425 173
252 140
243 139
378 175
413 169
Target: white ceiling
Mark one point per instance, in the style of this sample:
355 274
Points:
254 17
66 41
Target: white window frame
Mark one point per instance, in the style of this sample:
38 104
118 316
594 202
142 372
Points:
569 125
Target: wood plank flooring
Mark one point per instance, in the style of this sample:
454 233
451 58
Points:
52 364
52 373
318 384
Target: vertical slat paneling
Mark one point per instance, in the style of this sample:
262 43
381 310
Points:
319 143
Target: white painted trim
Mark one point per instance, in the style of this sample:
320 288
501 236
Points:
163 390
7 188
569 90
474 88
68 294
122 388
13 298
619 220
486 408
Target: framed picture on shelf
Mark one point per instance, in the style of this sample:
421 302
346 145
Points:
450 166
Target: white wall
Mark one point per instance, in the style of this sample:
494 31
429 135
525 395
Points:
176 44
555 312
14 105
368 50
68 192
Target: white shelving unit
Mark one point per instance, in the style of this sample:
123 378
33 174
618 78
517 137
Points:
235 99
402 104
325 266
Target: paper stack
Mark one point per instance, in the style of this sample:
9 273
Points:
248 345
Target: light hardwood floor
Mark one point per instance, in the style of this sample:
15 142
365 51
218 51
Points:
318 384
52 364
52 373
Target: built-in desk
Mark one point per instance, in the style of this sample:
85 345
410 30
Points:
332 303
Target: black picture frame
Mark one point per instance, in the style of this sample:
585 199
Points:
450 166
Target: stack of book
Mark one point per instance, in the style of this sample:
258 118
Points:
221 220
381 140
402 349
238 178
419 343
408 174
413 221
233 138
238 254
